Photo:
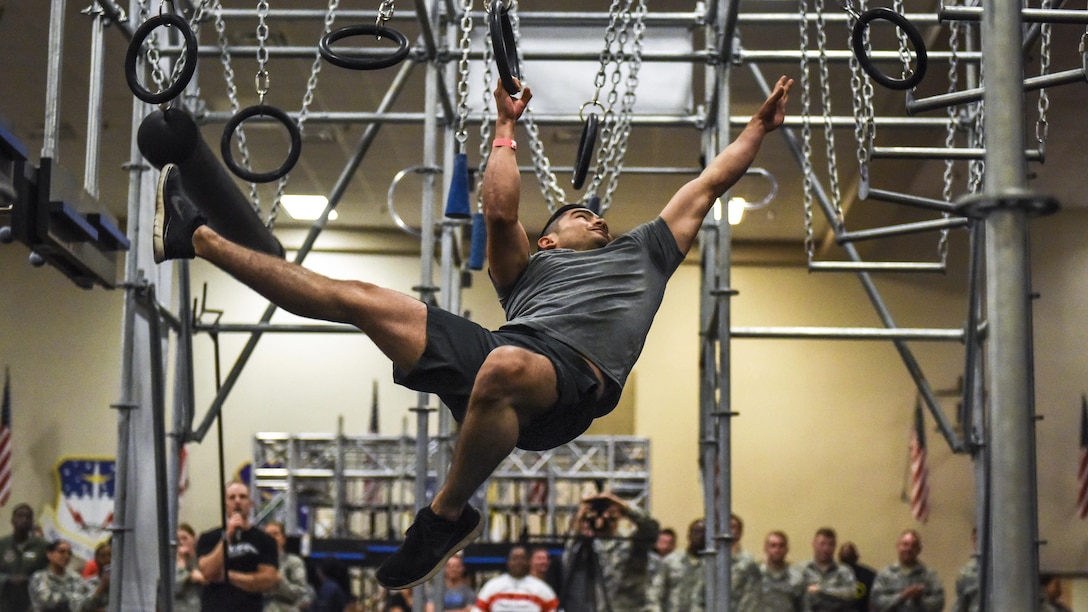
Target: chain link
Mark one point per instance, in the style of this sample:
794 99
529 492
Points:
304 112
616 150
977 167
385 12
1042 128
262 80
806 132
950 133
904 50
462 73
825 101
485 122
232 96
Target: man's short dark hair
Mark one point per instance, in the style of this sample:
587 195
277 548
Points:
826 532
562 210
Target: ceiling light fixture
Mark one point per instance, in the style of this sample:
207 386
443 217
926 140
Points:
306 207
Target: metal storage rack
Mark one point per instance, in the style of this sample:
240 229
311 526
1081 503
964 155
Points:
362 486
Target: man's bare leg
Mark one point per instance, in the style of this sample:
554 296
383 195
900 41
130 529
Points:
397 323
513 386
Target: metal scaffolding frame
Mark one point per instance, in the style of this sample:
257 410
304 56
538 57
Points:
1004 448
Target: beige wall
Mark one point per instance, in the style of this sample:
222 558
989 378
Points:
821 437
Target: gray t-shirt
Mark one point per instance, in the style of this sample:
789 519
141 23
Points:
599 302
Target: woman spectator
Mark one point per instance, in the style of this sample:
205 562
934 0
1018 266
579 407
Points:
459 594
188 581
54 588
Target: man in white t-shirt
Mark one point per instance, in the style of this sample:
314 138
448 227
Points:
516 590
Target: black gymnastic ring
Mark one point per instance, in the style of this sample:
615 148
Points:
586 144
358 63
858 43
187 70
292 154
506 48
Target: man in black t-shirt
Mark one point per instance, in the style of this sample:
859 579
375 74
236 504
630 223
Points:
238 582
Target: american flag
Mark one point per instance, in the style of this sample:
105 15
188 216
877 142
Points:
5 441
1082 472
919 471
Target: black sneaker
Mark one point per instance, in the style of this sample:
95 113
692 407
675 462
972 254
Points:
176 218
430 542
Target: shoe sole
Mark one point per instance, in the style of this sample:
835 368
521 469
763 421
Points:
158 246
472 535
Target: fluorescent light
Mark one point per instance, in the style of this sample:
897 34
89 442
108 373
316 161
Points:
306 207
736 210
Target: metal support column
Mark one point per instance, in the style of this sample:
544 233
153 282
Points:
1012 523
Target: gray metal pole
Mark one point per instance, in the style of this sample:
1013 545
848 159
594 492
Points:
1012 528
94 104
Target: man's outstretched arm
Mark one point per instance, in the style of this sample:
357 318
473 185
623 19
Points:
686 210
507 243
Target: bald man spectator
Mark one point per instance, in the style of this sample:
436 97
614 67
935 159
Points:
848 554
908 585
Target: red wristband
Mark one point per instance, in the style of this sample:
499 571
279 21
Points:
505 142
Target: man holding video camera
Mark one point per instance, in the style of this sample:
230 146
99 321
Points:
605 561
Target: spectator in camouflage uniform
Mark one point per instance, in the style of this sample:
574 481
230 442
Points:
292 591
745 572
967 586
21 554
680 582
621 558
829 586
908 585
782 586
55 588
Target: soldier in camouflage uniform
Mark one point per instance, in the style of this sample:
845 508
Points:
21 554
782 586
908 585
829 586
56 588
968 598
745 572
292 592
622 559
680 582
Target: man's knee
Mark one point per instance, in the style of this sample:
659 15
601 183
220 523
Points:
509 372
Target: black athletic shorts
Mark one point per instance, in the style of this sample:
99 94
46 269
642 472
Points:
457 347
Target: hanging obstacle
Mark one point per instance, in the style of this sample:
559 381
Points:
457 199
857 41
506 48
261 110
478 250
188 59
172 136
354 62
586 144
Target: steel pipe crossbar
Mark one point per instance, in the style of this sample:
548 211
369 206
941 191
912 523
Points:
1042 81
900 230
875 266
848 333
1030 15
942 153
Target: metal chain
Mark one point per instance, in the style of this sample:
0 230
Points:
825 101
232 96
904 50
977 167
806 132
553 194
262 79
385 12
617 151
462 73
485 122
861 86
950 132
1042 128
304 111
